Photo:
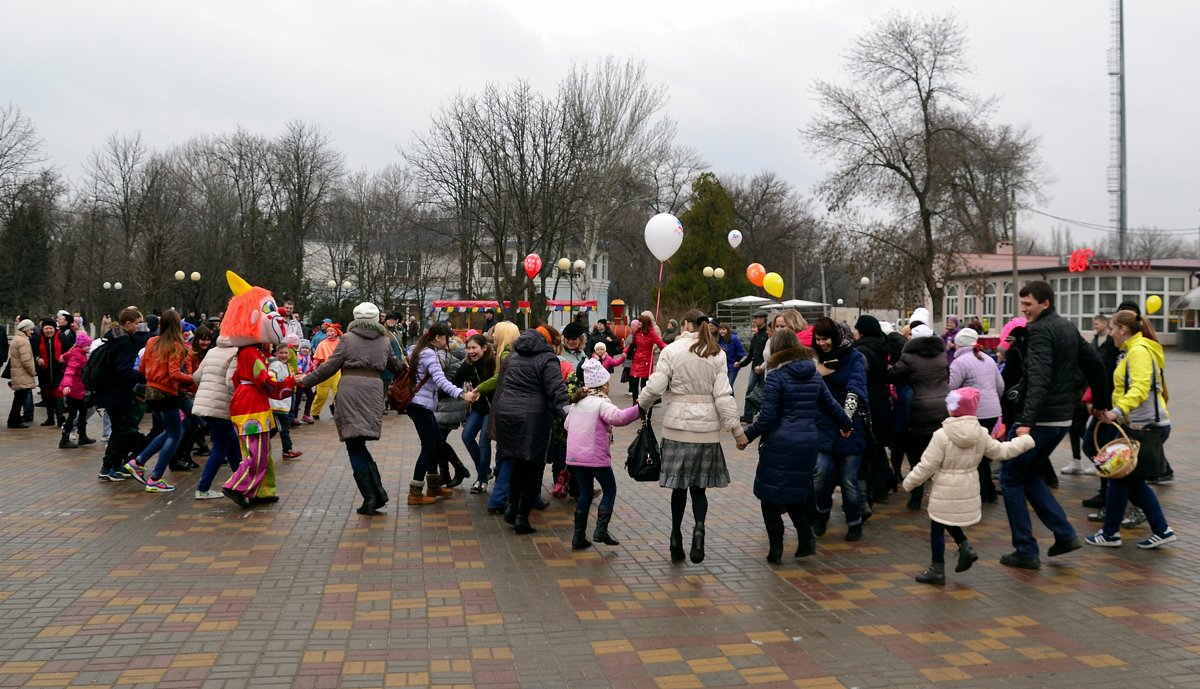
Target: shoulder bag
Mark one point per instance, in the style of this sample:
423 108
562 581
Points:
644 460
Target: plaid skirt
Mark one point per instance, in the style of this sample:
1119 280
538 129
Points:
692 465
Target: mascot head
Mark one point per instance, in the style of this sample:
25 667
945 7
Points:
251 317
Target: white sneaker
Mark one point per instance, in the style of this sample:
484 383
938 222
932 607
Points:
1087 468
209 494
1072 468
1156 540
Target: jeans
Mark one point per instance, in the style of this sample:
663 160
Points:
224 447
1133 489
164 443
27 406
499 497
842 469
733 373
431 440
361 460
608 483
284 425
1021 480
481 453
751 409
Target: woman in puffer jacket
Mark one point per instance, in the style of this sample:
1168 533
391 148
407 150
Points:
971 368
923 368
214 392
794 400
844 370
645 339
693 379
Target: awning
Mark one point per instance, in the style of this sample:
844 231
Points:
453 306
748 301
568 305
802 304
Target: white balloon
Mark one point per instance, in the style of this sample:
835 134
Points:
664 236
735 238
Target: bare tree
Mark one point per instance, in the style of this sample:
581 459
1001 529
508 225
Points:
889 134
304 172
20 154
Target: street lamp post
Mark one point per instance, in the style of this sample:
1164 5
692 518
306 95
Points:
863 283
115 289
194 276
565 265
713 274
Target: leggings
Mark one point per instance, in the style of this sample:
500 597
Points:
526 484
76 411
679 498
937 539
431 441
608 483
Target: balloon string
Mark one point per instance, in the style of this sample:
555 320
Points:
657 305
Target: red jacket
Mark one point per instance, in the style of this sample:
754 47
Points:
643 353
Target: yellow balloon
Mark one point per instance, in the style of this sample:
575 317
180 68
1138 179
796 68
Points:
773 284
1153 304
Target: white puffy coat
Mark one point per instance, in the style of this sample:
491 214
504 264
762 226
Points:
951 461
214 382
696 389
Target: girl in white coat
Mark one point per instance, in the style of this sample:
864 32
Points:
951 462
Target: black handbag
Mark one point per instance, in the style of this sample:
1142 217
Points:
6 374
644 458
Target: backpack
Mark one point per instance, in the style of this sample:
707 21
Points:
98 371
401 391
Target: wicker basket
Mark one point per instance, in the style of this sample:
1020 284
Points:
1119 457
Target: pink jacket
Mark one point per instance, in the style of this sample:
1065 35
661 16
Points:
75 358
589 423
609 362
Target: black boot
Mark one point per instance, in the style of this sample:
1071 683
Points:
820 523
677 554
808 542
460 473
49 417
510 512
914 499
522 525
966 557
935 573
773 522
697 553
65 443
381 496
579 541
366 486
600 535
85 440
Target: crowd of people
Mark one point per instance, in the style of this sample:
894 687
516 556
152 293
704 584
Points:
831 406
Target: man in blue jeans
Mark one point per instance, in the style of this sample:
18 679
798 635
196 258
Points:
1055 350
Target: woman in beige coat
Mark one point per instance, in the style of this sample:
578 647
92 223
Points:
951 461
22 371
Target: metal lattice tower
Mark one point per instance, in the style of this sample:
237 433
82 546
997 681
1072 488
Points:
1117 206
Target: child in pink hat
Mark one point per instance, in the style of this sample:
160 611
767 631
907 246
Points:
951 461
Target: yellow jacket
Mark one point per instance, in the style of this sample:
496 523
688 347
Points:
1138 372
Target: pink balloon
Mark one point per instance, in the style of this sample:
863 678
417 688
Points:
533 265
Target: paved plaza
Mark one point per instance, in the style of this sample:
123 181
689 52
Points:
102 585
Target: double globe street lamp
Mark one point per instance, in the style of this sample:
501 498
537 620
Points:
194 276
565 266
712 275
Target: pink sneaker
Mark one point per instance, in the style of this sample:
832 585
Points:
309 419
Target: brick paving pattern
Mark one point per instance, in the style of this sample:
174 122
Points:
102 585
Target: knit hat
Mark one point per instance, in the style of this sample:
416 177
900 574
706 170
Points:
920 315
594 374
471 333
25 325
305 344
963 402
922 330
47 321
545 333
966 339
366 311
573 330
600 347
292 341
64 313
887 327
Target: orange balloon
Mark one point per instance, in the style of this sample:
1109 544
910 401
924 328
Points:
755 274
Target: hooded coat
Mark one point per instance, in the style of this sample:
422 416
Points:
952 461
24 369
923 367
643 352
362 355
530 396
849 376
795 400
75 359
983 374
872 344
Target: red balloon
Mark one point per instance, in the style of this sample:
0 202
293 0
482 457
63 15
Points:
755 274
533 265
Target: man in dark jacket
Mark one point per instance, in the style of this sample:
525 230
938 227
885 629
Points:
115 396
602 332
1055 350
754 361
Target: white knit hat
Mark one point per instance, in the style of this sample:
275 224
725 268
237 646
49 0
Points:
26 324
600 347
920 315
966 338
922 331
366 311
594 374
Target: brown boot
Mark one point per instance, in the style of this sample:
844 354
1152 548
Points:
433 487
416 494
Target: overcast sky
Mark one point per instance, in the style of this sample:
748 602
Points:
739 76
